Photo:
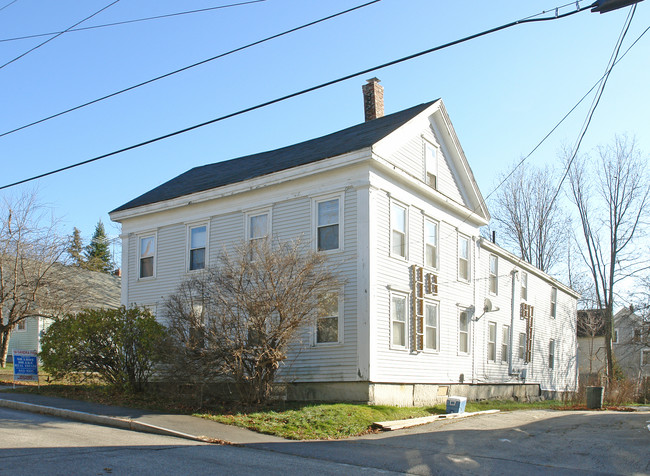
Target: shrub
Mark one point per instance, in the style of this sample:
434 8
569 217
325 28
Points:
121 346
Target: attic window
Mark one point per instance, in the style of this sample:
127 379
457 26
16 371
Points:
431 164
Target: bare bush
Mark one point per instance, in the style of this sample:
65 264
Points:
237 320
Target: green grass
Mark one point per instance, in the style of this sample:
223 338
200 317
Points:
320 421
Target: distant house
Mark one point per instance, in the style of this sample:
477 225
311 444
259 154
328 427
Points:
94 290
428 307
630 345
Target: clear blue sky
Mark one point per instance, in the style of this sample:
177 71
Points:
504 92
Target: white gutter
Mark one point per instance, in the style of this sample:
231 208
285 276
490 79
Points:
515 275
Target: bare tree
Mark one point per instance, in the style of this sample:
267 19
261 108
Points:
611 197
530 222
31 276
238 320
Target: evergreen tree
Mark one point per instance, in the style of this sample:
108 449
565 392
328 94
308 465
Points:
98 253
76 248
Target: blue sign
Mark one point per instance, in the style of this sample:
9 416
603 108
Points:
25 365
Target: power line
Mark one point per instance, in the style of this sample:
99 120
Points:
8 4
56 36
166 75
295 94
70 30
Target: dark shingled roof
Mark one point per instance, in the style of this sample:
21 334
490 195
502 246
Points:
232 171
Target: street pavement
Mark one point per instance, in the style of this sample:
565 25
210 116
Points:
529 442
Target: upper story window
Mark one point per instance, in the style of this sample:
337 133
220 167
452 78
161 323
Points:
431 164
431 326
258 225
327 322
492 341
430 243
198 237
551 354
524 286
615 336
463 258
147 254
327 224
463 332
494 274
553 302
22 325
505 343
398 320
645 357
398 227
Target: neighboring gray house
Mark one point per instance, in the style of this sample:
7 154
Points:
93 290
428 307
630 345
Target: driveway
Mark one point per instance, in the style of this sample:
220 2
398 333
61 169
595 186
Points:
521 442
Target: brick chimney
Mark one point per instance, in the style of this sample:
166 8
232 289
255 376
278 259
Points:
373 99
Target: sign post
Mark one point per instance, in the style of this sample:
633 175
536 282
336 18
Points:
25 366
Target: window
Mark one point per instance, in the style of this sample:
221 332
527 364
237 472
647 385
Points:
22 325
494 275
524 286
522 346
553 302
430 244
147 255
645 357
637 336
505 343
431 164
258 226
327 224
398 226
463 332
431 327
327 323
398 320
615 336
551 354
463 258
198 240
492 341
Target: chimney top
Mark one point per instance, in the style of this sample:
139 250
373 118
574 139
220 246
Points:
373 99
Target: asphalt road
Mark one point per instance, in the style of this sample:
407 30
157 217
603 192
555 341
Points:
33 444
523 442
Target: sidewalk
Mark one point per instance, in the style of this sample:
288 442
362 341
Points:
183 426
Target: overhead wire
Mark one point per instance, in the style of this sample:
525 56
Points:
8 4
125 22
185 68
59 34
295 94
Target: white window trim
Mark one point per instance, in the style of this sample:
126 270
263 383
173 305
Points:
405 296
505 344
495 275
469 331
188 239
248 214
341 326
524 279
140 237
469 258
553 309
315 200
22 321
437 244
554 354
406 229
522 358
491 325
436 147
615 336
641 364
425 348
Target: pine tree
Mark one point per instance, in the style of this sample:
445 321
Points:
76 248
98 253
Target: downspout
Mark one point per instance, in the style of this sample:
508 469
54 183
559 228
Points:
513 307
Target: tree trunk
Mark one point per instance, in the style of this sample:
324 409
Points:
4 346
609 323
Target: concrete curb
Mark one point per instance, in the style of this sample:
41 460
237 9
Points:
115 422
400 424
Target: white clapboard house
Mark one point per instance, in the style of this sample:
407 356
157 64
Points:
428 308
